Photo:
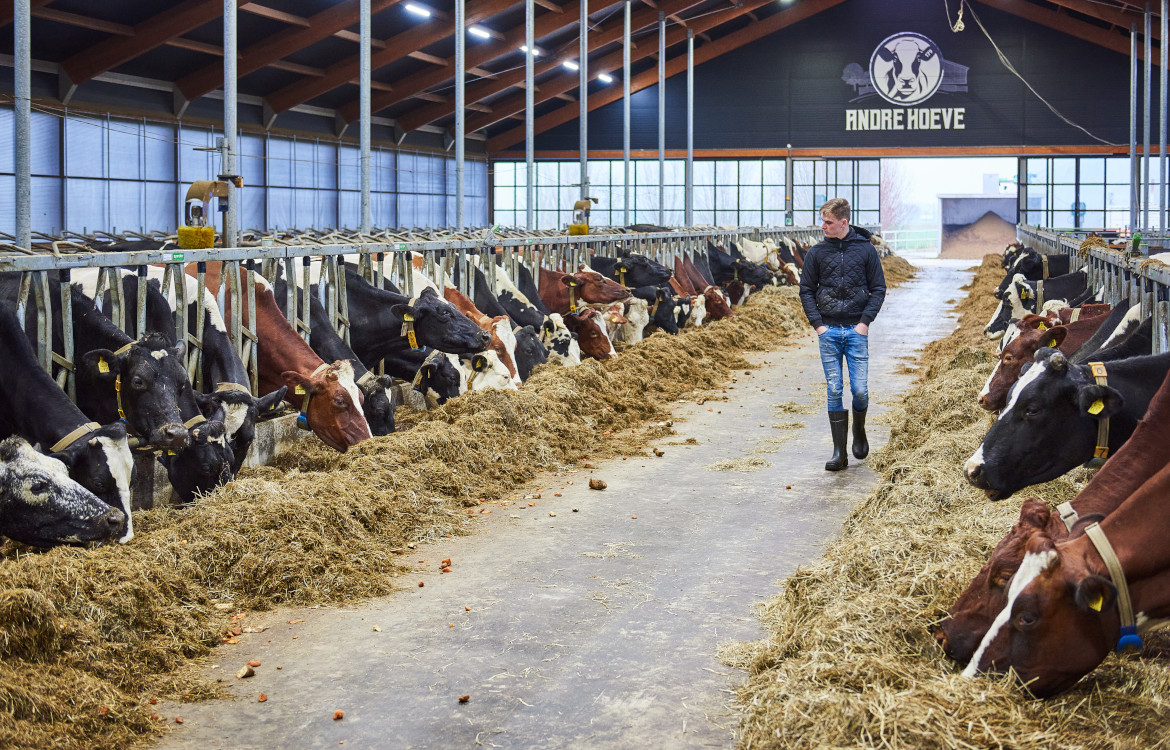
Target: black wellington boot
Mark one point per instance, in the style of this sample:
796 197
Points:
839 424
860 444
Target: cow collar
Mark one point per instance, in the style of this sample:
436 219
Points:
1068 514
1039 295
572 297
367 380
230 386
431 401
1101 451
408 328
303 417
1129 636
197 419
74 436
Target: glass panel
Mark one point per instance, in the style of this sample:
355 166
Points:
704 172
774 198
726 173
1117 170
869 172
280 169
162 201
7 156
1092 170
773 173
251 162
802 198
726 197
46 205
819 172
1037 170
868 197
750 197
646 172
87 204
85 148
383 210
1093 196
773 218
45 156
751 172
802 172
704 217
844 172
326 166
125 201
1064 170
125 140
1063 198
704 197
727 218
675 172
1093 220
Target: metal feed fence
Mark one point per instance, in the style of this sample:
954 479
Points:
392 255
1144 282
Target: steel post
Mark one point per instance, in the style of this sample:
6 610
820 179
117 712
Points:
1164 178
661 119
1146 123
231 220
22 135
1134 204
364 80
689 219
583 98
530 114
626 116
460 106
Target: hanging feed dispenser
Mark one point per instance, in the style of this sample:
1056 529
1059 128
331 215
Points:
198 232
580 223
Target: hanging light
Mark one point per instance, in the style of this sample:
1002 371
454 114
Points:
479 32
535 52
605 78
571 65
418 10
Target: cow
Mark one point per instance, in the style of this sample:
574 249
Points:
631 269
503 340
437 379
904 79
33 406
41 506
1034 267
325 394
725 268
483 371
561 292
1061 615
760 253
1121 324
637 314
1050 422
588 325
1011 251
530 351
663 307
1147 450
525 307
1034 333
1023 297
376 396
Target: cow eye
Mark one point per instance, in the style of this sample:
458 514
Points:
339 402
39 487
1026 619
138 383
1031 411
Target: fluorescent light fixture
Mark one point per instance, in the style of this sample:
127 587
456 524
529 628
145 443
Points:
535 52
605 78
477 31
571 65
418 10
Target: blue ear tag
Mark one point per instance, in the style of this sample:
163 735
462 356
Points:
1129 639
302 421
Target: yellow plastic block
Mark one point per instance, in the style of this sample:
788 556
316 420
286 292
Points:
196 238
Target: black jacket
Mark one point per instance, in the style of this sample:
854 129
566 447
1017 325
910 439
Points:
842 283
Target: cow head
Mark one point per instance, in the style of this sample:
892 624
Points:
437 379
144 382
640 271
751 273
904 78
40 505
503 343
717 307
102 463
239 411
529 351
1058 621
1030 337
331 404
482 371
590 333
561 342
1018 300
595 288
1025 263
698 310
206 462
666 309
1048 426
970 616
378 402
637 312
439 324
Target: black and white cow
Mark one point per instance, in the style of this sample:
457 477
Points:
724 268
1034 267
631 269
664 307
1022 297
525 307
1049 425
40 505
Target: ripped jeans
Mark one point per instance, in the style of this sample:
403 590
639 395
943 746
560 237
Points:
843 342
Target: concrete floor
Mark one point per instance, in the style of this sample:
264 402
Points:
588 628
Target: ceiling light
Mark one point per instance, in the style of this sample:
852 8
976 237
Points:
571 65
418 10
605 78
535 52
477 31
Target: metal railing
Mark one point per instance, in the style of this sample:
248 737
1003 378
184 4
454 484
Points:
45 271
1120 276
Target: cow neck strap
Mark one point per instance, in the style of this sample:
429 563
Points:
1068 514
1129 636
621 274
118 393
230 386
124 349
1101 451
1039 295
572 299
74 436
1075 315
303 419
367 380
652 308
1043 266
197 419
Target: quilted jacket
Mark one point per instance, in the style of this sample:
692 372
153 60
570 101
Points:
842 283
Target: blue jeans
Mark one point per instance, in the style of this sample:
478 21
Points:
843 342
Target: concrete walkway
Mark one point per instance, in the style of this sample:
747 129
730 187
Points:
589 620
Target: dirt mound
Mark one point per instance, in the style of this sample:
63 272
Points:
987 235
849 660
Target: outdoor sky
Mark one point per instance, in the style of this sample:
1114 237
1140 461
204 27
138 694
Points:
929 177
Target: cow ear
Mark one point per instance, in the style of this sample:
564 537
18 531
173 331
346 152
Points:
271 402
1100 401
179 349
384 381
101 364
299 384
1056 336
568 280
479 363
401 311
1095 594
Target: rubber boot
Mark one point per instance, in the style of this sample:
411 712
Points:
839 424
860 444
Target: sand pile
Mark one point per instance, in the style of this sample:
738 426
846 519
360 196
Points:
849 660
987 235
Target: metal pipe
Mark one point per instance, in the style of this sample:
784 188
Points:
626 116
460 106
364 116
661 119
22 135
231 220
1162 115
583 98
530 114
690 169
1133 71
1146 125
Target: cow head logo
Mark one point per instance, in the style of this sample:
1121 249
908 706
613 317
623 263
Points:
906 68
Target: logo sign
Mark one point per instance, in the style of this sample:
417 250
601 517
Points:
906 69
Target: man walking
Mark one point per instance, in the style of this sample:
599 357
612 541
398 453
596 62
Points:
842 287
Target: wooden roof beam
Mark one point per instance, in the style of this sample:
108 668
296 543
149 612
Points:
1079 29
549 5
677 65
85 22
106 55
1116 16
8 10
425 33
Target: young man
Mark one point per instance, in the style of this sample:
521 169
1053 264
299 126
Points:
842 287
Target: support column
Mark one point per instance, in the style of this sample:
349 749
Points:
529 113
690 167
583 98
22 135
661 119
231 220
626 115
461 109
364 116
1165 178
1145 182
1134 202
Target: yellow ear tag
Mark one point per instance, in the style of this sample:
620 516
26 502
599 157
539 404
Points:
408 318
1097 603
1097 407
103 366
1042 327
1023 294
299 390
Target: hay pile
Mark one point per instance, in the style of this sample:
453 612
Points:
849 660
88 636
897 270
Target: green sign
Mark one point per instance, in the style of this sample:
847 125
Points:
177 256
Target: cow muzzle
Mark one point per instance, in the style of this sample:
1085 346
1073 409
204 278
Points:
174 437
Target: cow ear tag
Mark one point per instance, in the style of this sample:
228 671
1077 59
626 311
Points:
1097 603
299 390
1096 407
1042 327
103 366
412 339
408 318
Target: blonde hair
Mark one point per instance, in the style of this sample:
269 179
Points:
838 208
